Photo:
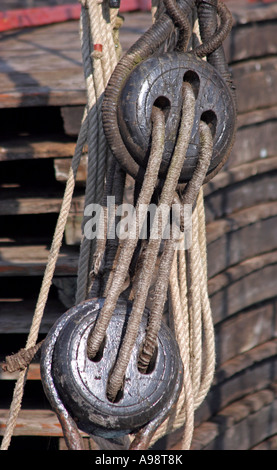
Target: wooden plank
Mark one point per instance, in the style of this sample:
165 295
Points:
244 331
255 81
235 273
238 174
242 235
37 204
257 188
241 425
49 95
253 143
244 13
47 146
252 39
232 248
230 428
246 361
33 423
16 315
240 219
255 137
268 444
243 285
43 66
62 166
72 117
256 116
33 373
31 260
246 373
73 229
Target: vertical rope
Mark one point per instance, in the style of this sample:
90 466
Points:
181 328
99 59
191 315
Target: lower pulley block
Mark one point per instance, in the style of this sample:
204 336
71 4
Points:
81 383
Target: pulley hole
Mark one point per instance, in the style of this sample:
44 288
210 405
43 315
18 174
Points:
163 104
99 355
152 364
192 78
209 117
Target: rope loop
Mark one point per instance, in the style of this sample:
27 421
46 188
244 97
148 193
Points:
216 40
112 268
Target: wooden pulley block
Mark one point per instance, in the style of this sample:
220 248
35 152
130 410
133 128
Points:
81 382
158 81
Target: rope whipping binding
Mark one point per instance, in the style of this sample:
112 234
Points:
106 268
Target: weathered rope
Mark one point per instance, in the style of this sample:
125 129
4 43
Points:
198 374
99 59
146 273
181 21
21 359
220 34
188 197
131 242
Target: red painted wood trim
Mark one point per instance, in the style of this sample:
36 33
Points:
28 17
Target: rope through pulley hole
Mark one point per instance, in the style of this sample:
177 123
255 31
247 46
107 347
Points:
116 379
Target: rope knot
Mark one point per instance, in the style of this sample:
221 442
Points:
98 51
21 359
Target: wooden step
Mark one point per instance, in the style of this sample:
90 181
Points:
31 260
240 425
18 202
53 55
62 166
16 315
243 285
241 187
33 423
33 373
243 235
245 373
27 147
